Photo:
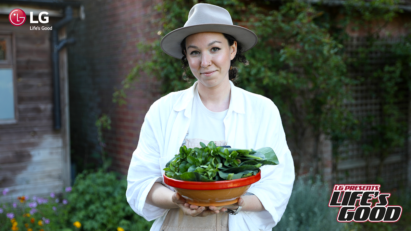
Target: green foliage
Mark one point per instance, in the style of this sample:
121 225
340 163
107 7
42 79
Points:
212 163
300 67
386 130
103 123
308 210
360 14
98 201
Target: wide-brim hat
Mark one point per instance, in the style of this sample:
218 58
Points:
207 18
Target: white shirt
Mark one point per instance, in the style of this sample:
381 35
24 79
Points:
205 125
252 121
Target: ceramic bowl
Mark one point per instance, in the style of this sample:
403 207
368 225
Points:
218 193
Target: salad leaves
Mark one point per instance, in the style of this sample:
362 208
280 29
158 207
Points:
212 163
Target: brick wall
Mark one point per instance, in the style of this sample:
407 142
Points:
104 53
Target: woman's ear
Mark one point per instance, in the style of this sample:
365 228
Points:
233 50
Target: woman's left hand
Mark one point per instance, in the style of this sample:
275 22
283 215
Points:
248 203
207 212
216 209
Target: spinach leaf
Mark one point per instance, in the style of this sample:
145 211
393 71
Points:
269 154
189 176
245 167
224 175
192 168
212 163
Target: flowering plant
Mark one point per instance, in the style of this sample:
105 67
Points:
34 213
96 202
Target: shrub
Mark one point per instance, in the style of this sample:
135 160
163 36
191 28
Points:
98 202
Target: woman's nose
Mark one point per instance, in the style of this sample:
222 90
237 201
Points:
205 60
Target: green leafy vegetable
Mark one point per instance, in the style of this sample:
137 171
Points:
212 163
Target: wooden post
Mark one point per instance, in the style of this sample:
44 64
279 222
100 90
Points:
326 162
409 142
66 176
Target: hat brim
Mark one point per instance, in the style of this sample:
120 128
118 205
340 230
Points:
171 42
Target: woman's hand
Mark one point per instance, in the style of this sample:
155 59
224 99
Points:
194 210
163 197
240 202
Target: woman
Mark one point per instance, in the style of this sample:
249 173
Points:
213 109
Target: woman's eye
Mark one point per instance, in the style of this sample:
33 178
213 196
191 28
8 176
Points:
215 49
194 53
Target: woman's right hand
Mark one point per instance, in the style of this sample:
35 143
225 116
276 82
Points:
191 210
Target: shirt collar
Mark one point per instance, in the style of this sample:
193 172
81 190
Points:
185 101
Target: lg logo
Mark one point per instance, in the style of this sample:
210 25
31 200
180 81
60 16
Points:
17 17
42 19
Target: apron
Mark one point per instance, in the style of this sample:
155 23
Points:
176 220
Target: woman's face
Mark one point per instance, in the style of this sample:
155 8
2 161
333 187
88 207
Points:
209 55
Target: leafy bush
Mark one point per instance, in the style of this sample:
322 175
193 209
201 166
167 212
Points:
98 201
308 209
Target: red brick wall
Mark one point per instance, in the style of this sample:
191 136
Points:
103 55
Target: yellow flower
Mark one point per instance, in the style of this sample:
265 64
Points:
26 225
27 214
120 229
14 227
13 220
30 229
77 224
40 222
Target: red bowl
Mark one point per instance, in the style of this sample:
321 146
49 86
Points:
216 193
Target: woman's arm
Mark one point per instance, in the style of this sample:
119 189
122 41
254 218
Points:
163 197
251 203
275 187
144 170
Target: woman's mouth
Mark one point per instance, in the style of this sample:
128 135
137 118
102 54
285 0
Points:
209 73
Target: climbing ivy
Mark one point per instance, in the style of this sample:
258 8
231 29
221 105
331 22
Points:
386 81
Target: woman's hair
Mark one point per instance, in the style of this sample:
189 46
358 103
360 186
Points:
232 73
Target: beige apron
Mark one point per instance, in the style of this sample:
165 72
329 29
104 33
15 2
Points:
176 220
